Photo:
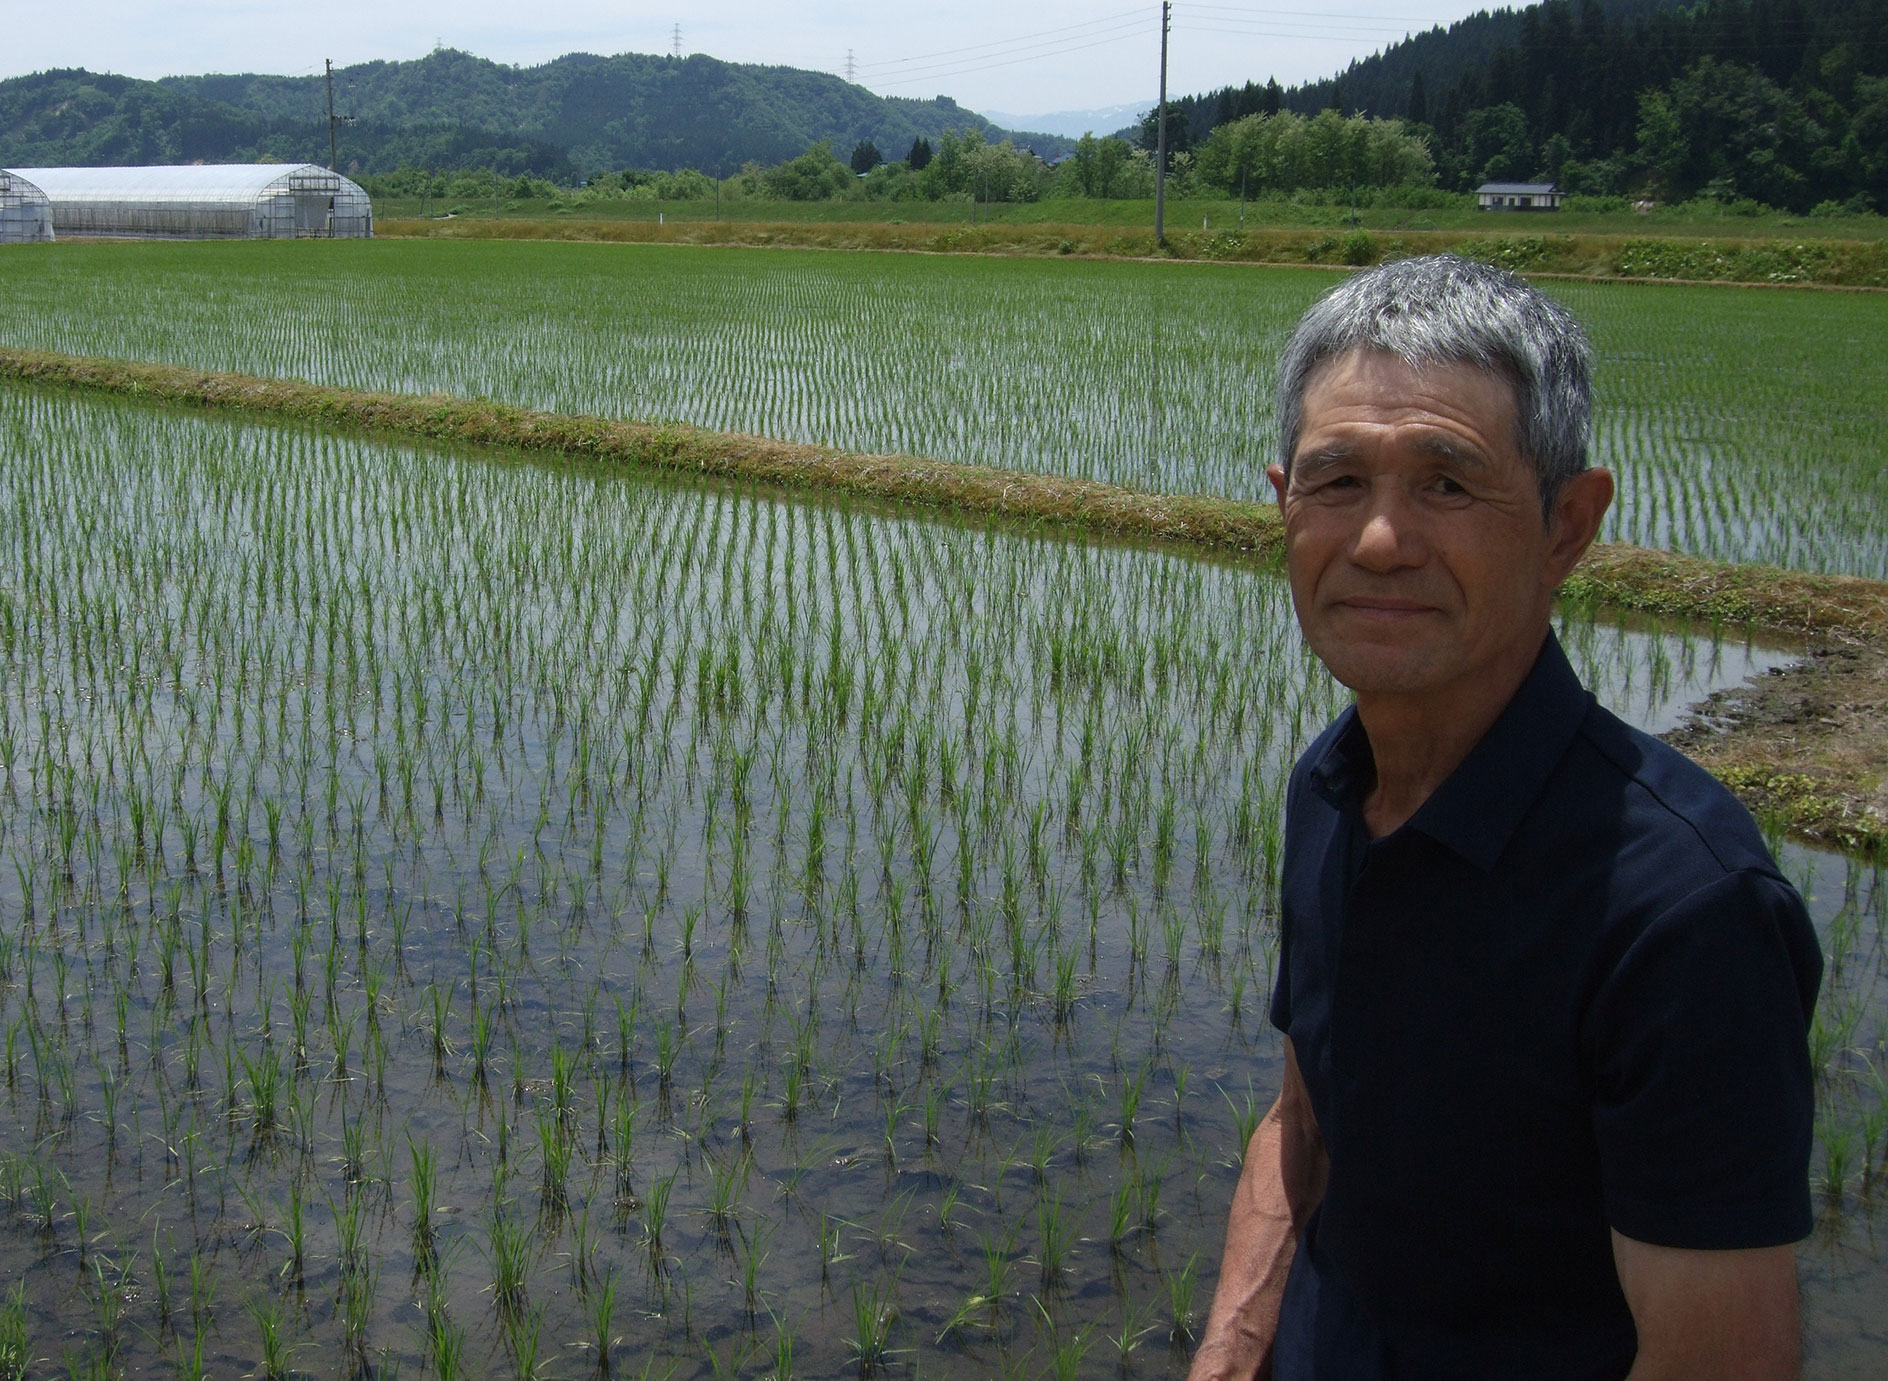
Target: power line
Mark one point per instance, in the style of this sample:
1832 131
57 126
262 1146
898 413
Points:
995 61
1310 35
1341 29
1269 13
970 68
1066 30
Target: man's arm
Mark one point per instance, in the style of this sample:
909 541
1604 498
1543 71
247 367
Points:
1728 1315
1282 1182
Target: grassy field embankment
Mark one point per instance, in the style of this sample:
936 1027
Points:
1535 245
1691 220
1813 780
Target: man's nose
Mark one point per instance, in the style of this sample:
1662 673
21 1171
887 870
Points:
1390 537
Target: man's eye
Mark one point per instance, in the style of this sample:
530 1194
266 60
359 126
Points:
1445 485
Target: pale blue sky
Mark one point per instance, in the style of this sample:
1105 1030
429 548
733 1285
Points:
1031 57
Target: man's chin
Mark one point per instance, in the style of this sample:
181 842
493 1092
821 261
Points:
1382 670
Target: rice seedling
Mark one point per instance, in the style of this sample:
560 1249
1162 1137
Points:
555 1153
272 1335
356 1311
727 1179
510 1246
446 1343
998 1255
524 1330
784 1341
422 1184
655 1213
830 1251
1180 1285
202 1294
1055 1233
603 1322
15 1335
1135 1324
874 1311
1065 1352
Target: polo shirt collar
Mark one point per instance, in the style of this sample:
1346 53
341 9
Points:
1477 810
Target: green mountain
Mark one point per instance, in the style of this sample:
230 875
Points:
1778 101
578 114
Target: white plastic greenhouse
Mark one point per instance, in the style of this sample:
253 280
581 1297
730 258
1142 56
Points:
24 212
255 201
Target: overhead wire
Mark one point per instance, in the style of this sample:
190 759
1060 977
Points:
1137 14
994 66
1121 26
1010 54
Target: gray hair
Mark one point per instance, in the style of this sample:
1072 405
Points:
1442 309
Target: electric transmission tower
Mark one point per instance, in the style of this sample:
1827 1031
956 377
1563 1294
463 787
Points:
850 67
675 41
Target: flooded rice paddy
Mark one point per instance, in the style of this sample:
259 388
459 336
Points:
466 916
1743 423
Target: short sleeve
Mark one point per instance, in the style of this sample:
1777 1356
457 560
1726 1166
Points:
1698 1047
1281 981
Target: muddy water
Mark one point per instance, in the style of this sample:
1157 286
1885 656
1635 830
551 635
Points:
792 924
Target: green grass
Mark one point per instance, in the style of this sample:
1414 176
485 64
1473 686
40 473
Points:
1182 213
1742 422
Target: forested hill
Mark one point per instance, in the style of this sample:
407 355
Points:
575 115
1779 101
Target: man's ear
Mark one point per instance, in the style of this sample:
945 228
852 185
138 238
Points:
1276 474
1578 511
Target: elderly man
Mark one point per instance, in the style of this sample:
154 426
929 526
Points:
1547 1098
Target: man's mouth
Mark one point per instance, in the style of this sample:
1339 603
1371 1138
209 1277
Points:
1385 606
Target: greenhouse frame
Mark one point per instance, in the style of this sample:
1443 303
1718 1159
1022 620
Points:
25 213
253 201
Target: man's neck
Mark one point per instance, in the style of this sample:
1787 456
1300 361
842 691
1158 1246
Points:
1417 742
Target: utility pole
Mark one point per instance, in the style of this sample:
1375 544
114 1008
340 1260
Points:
329 64
333 120
1160 132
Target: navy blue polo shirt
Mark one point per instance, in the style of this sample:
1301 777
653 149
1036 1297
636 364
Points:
1572 993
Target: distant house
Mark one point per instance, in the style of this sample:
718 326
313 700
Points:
1518 196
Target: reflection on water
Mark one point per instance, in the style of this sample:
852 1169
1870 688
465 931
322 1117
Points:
460 914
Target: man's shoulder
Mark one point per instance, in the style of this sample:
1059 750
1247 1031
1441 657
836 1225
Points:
1652 798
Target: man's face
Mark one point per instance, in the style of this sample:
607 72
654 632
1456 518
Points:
1420 563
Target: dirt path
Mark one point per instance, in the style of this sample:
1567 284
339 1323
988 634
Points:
1806 745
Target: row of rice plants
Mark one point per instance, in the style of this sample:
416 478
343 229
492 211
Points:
470 917
1742 421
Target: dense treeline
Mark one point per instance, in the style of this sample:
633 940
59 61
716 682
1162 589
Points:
453 110
1783 102
1283 153
958 165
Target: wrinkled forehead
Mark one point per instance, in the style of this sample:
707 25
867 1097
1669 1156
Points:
1391 377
